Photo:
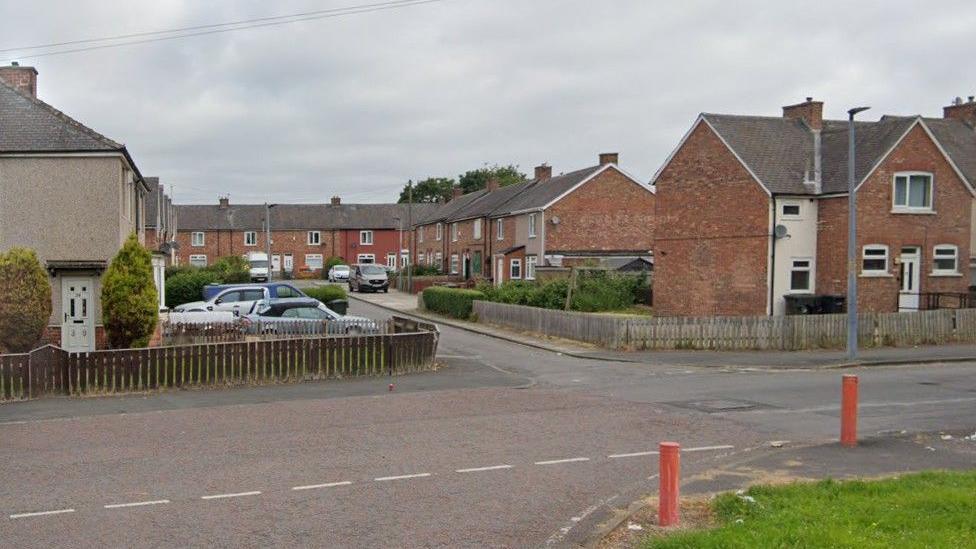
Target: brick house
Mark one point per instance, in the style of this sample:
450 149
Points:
588 215
72 195
752 209
303 236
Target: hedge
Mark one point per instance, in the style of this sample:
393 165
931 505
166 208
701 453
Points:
451 301
595 292
187 286
326 294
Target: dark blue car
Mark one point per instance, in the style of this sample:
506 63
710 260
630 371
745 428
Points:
278 290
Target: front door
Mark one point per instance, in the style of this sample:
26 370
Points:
908 295
289 263
499 269
78 326
276 263
466 268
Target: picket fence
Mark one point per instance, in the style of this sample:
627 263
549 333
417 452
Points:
788 333
52 371
213 331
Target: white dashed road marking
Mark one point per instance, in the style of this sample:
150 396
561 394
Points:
567 460
709 448
634 454
237 495
489 468
136 504
401 477
42 513
655 452
326 485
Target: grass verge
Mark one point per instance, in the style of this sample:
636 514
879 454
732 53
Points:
933 509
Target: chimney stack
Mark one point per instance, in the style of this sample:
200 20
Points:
543 172
608 158
336 200
456 192
23 79
493 184
224 202
809 111
959 110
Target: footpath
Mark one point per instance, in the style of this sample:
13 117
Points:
403 303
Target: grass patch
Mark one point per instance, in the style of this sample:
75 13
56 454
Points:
934 509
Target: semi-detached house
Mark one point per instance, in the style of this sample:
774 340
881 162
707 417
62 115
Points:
586 216
753 209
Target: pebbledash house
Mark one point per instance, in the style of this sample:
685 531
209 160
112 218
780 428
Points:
752 209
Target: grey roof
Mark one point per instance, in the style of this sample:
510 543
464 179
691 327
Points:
488 202
540 193
441 212
779 151
31 125
296 216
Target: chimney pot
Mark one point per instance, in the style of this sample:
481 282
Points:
971 98
224 201
22 79
809 111
456 192
336 200
959 110
608 158
543 172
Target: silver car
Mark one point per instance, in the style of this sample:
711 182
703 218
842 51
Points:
238 300
303 316
339 272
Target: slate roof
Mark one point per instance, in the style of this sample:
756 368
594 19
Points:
441 212
541 193
488 202
296 216
780 151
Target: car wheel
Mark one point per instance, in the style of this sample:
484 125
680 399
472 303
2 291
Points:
386 290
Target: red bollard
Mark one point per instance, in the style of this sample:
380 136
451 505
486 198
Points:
670 473
848 411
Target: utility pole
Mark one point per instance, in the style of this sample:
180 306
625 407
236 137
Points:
410 236
851 239
267 235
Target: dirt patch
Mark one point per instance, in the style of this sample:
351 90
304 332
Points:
696 513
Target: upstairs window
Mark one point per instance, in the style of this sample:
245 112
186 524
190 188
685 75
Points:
945 260
250 238
366 238
197 239
477 229
314 238
500 227
875 260
913 192
420 234
454 232
440 231
532 218
790 211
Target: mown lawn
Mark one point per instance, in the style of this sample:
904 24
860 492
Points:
935 509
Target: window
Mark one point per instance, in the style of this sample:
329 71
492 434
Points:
404 259
313 261
913 191
454 232
252 295
198 260
532 218
365 258
530 263
366 238
391 261
945 260
875 261
439 229
790 211
800 275
477 229
250 238
515 269
420 234
439 260
287 291
314 238
500 227
197 239
454 263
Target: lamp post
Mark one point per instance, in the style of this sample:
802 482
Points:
267 236
851 239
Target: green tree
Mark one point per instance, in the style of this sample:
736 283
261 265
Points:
25 300
130 304
474 180
432 189
231 269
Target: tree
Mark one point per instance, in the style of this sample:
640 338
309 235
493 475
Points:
231 269
130 303
474 180
432 189
25 300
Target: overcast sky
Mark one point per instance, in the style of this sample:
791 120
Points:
357 105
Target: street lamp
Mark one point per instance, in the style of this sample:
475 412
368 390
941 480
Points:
851 239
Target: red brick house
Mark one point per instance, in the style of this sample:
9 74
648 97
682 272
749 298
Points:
734 180
593 214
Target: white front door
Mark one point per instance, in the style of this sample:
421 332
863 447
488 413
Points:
289 263
276 263
77 307
499 269
908 295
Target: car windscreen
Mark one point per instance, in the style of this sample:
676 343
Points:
341 267
259 264
373 270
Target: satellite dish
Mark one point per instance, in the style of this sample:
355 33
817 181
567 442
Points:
780 231
555 220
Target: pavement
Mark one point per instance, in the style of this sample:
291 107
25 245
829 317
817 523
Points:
505 445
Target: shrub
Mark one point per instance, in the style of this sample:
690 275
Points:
426 270
451 301
25 300
331 262
187 286
595 291
231 269
326 294
130 303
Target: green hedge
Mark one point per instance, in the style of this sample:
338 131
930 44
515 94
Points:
595 292
326 294
451 301
186 286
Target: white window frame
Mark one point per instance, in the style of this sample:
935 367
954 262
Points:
500 228
477 229
198 242
512 265
361 257
404 259
886 257
439 259
791 217
250 238
420 235
198 258
532 222
955 259
808 269
366 238
391 260
314 238
312 256
455 263
454 232
440 231
905 208
531 261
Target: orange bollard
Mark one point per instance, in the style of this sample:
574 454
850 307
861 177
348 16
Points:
848 411
670 473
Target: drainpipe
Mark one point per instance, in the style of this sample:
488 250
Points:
772 262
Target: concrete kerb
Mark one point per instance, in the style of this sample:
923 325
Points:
539 345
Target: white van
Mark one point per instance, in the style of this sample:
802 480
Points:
258 263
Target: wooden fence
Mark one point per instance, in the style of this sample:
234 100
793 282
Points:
789 333
186 333
53 371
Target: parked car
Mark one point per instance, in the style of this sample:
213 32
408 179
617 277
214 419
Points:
258 266
277 289
236 300
368 277
339 272
301 314
202 317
